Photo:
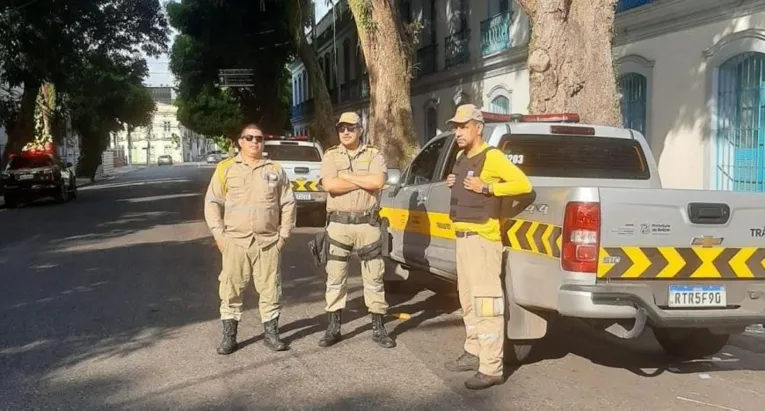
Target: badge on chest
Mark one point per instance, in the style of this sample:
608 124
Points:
271 178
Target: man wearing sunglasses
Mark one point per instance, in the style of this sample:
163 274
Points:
250 209
353 174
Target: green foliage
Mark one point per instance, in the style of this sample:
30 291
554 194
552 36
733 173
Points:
88 49
235 34
106 94
362 11
210 111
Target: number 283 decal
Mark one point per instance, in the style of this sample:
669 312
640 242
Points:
515 158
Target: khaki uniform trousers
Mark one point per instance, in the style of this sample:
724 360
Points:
479 267
241 266
358 236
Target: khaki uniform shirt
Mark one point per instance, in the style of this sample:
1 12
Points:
339 161
250 203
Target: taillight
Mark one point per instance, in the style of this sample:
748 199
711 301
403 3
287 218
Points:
581 242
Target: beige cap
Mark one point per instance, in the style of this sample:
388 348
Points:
349 117
465 113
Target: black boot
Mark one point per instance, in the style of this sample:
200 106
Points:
332 335
228 344
379 334
271 338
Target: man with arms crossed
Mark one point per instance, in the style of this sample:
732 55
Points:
353 174
481 175
250 209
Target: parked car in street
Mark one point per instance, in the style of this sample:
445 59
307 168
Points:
214 157
164 159
35 174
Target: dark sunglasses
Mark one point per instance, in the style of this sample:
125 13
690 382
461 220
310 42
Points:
258 139
343 129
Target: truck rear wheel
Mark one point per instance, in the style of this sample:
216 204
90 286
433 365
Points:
690 343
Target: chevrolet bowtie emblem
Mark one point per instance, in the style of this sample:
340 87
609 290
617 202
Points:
707 241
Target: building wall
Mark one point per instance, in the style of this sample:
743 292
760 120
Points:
188 146
677 46
682 78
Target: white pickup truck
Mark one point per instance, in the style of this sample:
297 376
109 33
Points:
301 160
599 238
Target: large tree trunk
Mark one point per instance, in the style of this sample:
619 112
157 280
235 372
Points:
570 59
129 145
22 129
322 125
387 52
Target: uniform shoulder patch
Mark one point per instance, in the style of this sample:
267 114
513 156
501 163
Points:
333 148
220 172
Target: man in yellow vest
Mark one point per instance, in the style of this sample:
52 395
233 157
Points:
481 175
250 209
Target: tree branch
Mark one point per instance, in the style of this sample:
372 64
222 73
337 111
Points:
529 7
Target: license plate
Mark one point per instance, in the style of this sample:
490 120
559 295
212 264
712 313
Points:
25 177
303 196
682 296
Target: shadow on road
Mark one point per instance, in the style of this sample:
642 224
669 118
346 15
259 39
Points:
642 356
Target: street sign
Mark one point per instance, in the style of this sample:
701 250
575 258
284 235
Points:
235 77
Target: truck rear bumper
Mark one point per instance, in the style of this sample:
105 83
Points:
637 301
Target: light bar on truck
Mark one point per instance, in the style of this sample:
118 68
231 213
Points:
547 118
490 117
576 130
295 138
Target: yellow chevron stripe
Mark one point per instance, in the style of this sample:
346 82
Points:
640 262
306 185
675 262
512 235
707 268
530 237
546 240
603 267
440 225
738 263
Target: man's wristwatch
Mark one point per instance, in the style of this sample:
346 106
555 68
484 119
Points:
485 189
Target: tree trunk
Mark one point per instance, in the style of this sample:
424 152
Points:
129 145
570 59
323 125
388 54
21 130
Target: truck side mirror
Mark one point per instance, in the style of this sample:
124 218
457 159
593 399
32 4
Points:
394 175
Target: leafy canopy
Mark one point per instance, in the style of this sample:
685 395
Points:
235 34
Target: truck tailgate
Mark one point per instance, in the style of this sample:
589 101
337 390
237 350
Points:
304 175
686 236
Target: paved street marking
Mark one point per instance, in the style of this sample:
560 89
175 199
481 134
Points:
708 404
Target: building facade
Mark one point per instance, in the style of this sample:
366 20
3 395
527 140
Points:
164 136
691 75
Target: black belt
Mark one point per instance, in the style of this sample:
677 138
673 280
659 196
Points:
345 217
464 234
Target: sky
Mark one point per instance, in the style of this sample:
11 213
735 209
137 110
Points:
159 70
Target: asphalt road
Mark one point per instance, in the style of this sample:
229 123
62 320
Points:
110 302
